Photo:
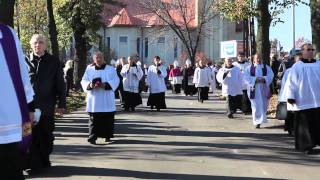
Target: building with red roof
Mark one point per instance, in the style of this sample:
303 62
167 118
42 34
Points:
133 30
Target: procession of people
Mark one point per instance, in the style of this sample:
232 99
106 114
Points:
43 84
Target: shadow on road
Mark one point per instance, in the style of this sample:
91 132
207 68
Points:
68 171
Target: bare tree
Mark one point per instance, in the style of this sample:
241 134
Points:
185 18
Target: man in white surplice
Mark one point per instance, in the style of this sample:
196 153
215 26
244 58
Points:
131 73
231 79
99 82
258 78
243 65
156 83
303 95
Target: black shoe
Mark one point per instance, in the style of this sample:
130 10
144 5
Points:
258 126
33 171
46 164
158 109
107 140
230 116
311 151
92 141
151 107
133 109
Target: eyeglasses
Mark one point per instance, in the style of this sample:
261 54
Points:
309 49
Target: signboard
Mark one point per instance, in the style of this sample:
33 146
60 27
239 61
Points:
229 49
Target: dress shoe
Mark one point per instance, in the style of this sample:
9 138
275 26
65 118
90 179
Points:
92 141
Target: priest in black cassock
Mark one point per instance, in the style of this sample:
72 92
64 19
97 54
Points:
46 76
99 82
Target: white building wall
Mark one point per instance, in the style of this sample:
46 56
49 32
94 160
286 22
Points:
218 30
164 50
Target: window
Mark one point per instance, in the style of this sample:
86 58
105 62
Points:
146 48
239 26
175 47
123 39
161 40
138 45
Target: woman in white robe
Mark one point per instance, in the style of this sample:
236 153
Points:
132 74
258 78
202 79
156 83
99 82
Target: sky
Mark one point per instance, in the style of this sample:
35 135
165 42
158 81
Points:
283 31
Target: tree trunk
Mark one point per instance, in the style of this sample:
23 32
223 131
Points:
315 24
264 21
52 30
80 59
7 12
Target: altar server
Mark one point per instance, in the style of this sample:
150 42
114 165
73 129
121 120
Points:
99 82
303 93
188 86
202 79
132 74
157 87
175 77
231 79
243 65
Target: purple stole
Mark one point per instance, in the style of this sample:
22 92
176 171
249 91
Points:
264 73
12 59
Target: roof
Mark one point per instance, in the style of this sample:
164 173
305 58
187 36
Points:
131 14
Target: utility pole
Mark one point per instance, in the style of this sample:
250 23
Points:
294 25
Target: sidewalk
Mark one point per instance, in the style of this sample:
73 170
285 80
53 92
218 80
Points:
189 140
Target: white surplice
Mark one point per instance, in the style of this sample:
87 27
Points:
156 81
10 115
202 77
259 103
282 97
302 85
131 77
243 66
213 77
100 100
232 83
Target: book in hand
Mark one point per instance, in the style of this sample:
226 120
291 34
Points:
96 82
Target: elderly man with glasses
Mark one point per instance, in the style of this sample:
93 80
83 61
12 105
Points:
302 92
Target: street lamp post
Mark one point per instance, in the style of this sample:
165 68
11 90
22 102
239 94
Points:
294 25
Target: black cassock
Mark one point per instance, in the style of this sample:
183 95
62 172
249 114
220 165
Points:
101 124
307 129
187 78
